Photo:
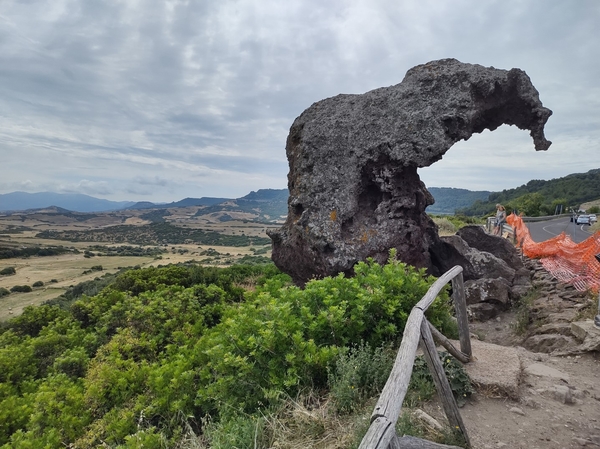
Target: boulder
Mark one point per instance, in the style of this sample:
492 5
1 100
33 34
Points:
477 238
483 311
495 291
354 188
549 342
476 264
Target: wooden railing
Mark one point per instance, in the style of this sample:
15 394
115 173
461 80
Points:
382 433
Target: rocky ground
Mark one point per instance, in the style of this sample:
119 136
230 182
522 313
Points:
556 401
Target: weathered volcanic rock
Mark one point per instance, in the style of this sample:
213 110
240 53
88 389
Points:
353 182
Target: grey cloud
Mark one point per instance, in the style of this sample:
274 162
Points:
154 92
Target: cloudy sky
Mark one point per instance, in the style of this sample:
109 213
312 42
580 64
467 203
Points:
160 100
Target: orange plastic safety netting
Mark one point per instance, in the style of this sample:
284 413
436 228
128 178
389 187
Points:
569 262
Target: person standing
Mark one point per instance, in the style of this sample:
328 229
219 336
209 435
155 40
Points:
500 219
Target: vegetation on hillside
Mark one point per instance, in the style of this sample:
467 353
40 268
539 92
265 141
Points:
156 216
266 204
539 197
449 224
9 252
126 250
154 234
448 200
159 354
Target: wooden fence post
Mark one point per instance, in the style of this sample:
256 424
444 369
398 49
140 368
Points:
441 382
460 307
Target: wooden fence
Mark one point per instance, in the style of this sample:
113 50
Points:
382 433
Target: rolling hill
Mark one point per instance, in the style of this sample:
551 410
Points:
569 191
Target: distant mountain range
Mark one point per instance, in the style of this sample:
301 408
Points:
76 202
268 204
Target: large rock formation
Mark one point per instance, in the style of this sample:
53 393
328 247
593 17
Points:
353 182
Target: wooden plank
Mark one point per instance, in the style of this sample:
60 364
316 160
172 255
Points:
442 340
441 382
409 442
460 307
380 434
437 286
392 395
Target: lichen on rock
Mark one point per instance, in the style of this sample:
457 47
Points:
354 187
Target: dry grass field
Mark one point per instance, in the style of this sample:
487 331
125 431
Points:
59 272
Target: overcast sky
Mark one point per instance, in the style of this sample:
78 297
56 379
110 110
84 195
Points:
161 100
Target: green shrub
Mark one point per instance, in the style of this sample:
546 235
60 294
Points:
358 374
283 338
34 319
8 271
445 226
140 357
523 311
238 431
422 388
410 424
21 289
72 362
37 284
4 292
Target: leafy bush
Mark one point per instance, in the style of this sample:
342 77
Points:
21 289
238 431
281 339
422 388
8 271
34 319
445 226
10 252
358 374
254 260
4 292
141 355
93 268
37 284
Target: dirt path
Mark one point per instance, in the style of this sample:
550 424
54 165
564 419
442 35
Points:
558 405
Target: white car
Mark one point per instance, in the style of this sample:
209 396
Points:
583 219
593 218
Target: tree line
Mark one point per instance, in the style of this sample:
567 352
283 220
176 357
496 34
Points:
539 197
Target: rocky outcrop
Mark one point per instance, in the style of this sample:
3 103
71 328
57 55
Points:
494 273
353 182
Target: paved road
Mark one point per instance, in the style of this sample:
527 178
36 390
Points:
544 230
